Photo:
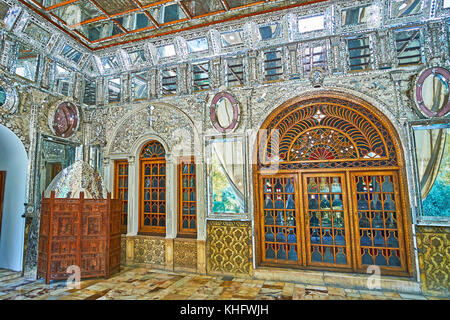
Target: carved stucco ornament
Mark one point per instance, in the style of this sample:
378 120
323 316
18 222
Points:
9 100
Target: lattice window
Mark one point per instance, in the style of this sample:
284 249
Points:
89 96
200 74
359 53
169 81
378 220
312 57
153 188
187 221
235 72
280 225
114 90
408 44
273 64
121 190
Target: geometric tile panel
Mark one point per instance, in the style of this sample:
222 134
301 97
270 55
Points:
185 254
434 259
229 247
149 250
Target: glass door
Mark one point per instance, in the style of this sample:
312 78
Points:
280 219
153 196
379 236
326 220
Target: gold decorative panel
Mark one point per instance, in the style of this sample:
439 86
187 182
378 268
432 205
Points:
149 250
229 247
185 254
434 263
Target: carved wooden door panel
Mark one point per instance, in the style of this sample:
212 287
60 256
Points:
378 221
280 221
326 220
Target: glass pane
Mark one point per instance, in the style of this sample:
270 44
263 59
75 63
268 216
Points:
71 53
226 176
137 57
140 85
110 63
311 24
201 7
114 87
402 8
27 63
271 31
63 78
231 38
99 30
166 51
196 45
168 13
433 163
37 33
77 12
134 21
240 3
357 15
89 92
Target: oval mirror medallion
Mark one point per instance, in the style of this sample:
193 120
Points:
432 92
224 112
65 119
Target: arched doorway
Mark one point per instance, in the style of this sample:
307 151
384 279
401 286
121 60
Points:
152 188
13 164
330 188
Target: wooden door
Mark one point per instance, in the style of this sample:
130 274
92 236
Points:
187 197
152 196
121 190
2 195
378 219
327 225
280 220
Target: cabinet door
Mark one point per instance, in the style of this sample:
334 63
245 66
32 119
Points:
378 221
326 220
279 219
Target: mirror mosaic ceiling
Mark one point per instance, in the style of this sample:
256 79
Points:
105 23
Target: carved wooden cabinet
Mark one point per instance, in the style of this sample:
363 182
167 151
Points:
80 232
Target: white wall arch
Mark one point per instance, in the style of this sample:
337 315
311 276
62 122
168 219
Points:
13 160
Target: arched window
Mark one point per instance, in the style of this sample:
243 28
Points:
330 191
152 195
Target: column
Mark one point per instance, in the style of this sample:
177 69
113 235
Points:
133 196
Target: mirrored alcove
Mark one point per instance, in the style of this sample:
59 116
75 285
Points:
54 155
432 163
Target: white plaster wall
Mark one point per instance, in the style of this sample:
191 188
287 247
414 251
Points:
13 160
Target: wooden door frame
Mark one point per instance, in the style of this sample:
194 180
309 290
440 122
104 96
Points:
2 195
400 167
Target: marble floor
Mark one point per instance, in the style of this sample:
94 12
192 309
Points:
151 284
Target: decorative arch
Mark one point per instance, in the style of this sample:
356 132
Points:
327 131
152 150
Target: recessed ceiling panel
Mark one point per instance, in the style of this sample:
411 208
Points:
112 7
201 7
77 12
241 3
